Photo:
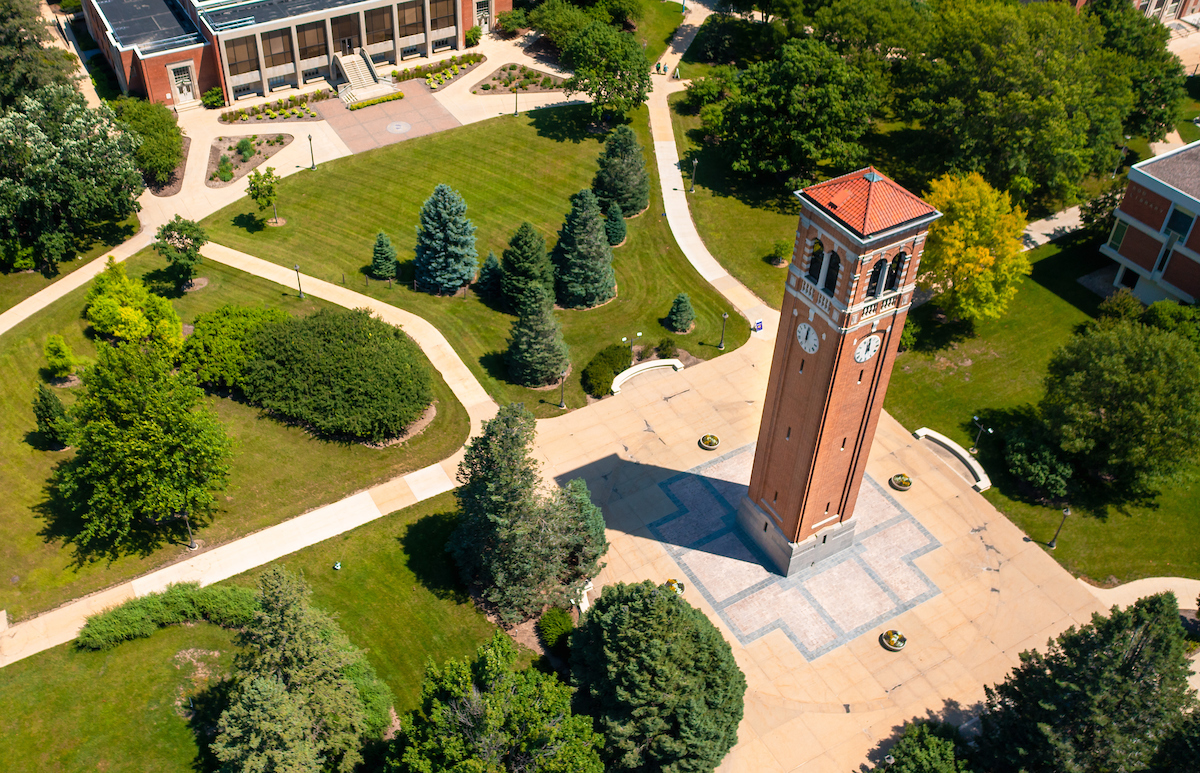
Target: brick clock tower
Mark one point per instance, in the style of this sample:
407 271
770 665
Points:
849 288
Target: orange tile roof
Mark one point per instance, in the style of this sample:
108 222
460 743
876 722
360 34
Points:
867 201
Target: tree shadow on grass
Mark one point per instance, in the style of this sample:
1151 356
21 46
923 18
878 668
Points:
249 222
934 331
206 707
964 717
495 366
569 123
766 192
424 545
904 154
1078 256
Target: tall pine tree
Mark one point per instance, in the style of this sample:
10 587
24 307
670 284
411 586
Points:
526 263
658 679
383 258
622 178
445 254
583 257
488 284
537 354
1101 698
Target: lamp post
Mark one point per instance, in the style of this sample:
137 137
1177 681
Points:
1054 542
298 287
724 319
975 448
562 390
630 341
311 154
695 163
515 110
1121 160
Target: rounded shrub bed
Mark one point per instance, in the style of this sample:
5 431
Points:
342 373
604 367
226 606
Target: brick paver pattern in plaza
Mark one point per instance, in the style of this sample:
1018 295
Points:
818 610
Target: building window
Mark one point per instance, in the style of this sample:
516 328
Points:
244 89
442 14
409 51
311 39
379 25
1117 235
1164 260
831 273
815 262
1129 278
895 273
878 274
411 18
345 33
242 55
278 82
1180 222
310 74
277 48
441 43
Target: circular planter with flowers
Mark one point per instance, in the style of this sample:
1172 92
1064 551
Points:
893 641
709 442
900 482
674 585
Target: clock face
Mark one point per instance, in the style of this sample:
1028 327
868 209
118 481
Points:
866 348
809 341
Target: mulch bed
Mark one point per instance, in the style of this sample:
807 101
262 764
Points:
521 74
241 168
199 283
175 184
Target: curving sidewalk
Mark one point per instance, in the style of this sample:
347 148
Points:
1185 590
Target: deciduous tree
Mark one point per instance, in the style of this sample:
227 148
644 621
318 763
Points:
481 715
526 265
583 258
974 259
383 257
148 447
537 354
161 149
1125 403
262 186
125 309
609 66
179 241
26 62
658 679
1099 698
65 168
60 360
445 254
622 178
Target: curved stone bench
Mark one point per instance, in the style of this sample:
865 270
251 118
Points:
641 368
982 482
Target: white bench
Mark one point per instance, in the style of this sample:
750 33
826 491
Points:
982 482
641 368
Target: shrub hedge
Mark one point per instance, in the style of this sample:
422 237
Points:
375 101
221 343
226 606
604 367
425 70
343 373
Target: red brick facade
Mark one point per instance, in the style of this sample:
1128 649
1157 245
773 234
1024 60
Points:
1145 205
1184 273
1140 248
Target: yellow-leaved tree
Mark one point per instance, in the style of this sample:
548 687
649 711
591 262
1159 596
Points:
973 259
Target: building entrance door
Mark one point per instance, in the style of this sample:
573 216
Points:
182 78
347 46
483 14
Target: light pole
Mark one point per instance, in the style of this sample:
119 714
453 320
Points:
1121 160
695 163
562 390
975 448
311 153
298 287
724 319
1054 542
630 341
515 110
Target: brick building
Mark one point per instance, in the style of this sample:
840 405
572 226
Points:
172 51
1154 239
1163 10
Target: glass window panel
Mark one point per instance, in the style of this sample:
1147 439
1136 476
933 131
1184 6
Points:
277 48
311 39
242 55
379 25
412 18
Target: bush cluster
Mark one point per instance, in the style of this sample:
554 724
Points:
224 171
246 148
667 348
342 373
228 607
426 70
555 626
221 343
294 106
375 101
604 367
473 36
213 98
162 139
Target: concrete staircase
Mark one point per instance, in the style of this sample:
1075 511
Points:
358 75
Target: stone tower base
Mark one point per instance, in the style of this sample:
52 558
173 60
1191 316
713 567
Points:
792 557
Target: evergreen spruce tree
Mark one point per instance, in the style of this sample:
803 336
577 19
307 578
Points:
1100 698
445 254
582 531
526 264
614 224
622 177
583 265
383 258
658 679
682 315
537 354
488 284
52 422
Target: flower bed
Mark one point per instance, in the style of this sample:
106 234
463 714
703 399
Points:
709 442
518 77
900 482
293 108
440 73
893 641
232 158
375 101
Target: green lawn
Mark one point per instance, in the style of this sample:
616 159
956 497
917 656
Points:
657 27
16 287
396 596
508 169
278 471
1000 370
738 217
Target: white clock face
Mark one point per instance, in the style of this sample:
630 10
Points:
866 348
808 338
